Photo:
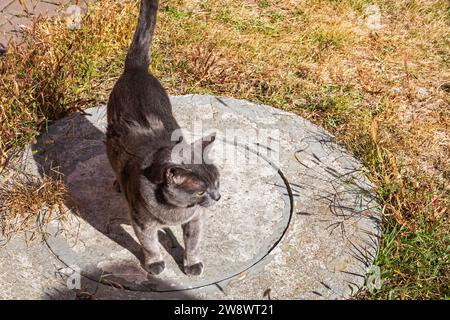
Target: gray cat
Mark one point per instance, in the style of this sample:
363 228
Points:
163 187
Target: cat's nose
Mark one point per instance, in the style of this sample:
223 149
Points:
216 196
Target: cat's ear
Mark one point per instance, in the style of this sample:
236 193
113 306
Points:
176 175
155 173
171 174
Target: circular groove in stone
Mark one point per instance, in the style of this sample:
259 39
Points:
50 243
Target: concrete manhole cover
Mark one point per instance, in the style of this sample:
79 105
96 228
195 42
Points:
297 215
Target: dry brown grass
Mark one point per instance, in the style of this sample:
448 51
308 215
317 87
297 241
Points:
384 94
28 204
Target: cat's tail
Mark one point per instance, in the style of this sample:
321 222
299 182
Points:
138 56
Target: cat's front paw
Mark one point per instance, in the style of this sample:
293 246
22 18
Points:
194 270
155 268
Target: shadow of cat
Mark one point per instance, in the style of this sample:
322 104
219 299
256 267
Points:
75 149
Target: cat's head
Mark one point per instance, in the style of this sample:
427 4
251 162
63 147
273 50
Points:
184 182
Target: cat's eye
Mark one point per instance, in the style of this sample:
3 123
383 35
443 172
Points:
200 193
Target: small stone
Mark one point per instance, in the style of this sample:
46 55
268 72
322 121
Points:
423 93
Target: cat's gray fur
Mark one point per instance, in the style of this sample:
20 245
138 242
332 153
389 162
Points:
161 189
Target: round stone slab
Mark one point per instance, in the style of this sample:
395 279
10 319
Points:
297 216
